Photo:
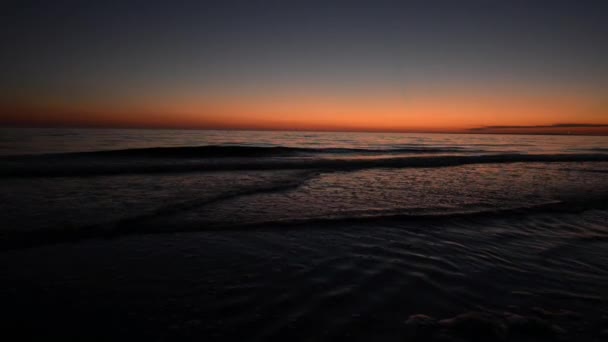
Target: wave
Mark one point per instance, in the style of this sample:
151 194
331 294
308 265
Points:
242 151
573 206
595 149
153 223
137 162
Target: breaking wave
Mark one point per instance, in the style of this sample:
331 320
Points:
153 223
237 158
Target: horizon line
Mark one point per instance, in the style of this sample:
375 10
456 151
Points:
472 131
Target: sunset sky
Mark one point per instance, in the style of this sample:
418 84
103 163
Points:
437 66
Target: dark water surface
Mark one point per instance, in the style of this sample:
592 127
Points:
305 236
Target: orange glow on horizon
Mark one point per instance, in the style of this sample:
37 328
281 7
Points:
430 113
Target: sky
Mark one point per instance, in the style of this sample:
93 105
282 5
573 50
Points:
432 66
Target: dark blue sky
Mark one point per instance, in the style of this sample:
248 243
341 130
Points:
112 52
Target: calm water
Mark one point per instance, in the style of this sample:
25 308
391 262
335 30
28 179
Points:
299 235
37 141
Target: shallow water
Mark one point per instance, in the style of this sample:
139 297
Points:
299 236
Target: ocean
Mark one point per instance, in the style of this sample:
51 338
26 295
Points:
303 236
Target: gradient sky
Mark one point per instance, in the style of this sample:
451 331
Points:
478 66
